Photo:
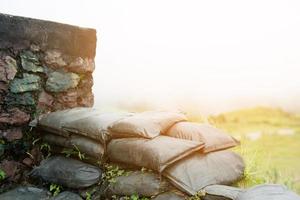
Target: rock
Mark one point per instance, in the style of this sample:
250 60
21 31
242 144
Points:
12 134
3 91
87 100
11 169
3 87
170 196
86 81
29 82
67 172
30 62
142 183
37 155
68 99
28 162
8 69
25 99
14 116
61 81
35 48
82 65
67 196
54 59
25 193
45 99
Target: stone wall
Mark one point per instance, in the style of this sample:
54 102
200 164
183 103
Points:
44 66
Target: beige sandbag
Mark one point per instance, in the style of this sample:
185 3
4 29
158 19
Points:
145 184
84 144
156 153
197 171
54 121
213 138
147 124
95 126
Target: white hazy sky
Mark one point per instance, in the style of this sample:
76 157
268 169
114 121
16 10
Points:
206 56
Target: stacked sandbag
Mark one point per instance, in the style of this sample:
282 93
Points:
67 172
146 184
197 171
190 155
213 138
156 154
83 129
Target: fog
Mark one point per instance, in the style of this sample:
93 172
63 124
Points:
201 56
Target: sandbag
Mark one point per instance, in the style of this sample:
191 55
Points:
84 144
54 121
25 193
221 192
146 124
67 196
197 171
141 183
67 172
213 138
268 191
155 154
95 126
170 196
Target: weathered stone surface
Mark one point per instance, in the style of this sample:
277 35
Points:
25 99
35 48
11 169
12 134
2 149
70 40
61 81
29 82
28 162
69 99
30 62
14 117
8 69
82 65
86 82
3 91
54 58
86 100
45 99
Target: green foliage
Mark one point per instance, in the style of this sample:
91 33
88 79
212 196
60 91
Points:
47 148
55 189
88 196
75 152
135 197
198 196
113 171
2 175
272 157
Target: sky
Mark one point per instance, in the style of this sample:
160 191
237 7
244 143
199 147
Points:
201 56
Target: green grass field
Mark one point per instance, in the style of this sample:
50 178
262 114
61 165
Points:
270 144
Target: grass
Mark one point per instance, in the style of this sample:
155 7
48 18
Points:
269 158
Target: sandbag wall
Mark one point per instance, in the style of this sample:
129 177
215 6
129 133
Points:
44 67
187 155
